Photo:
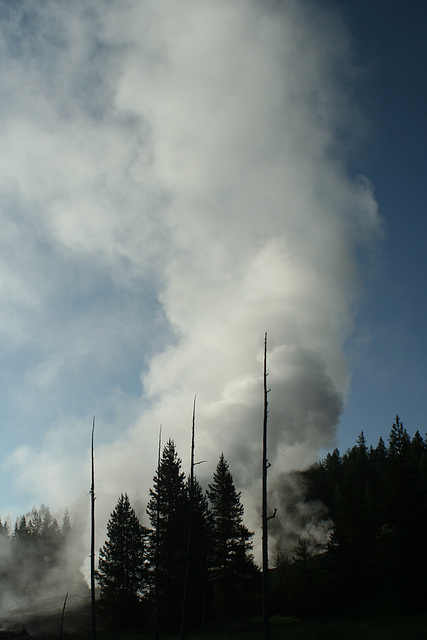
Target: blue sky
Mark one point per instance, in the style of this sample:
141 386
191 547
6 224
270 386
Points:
174 183
389 376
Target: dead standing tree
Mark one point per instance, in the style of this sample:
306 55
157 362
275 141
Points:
265 517
156 568
62 617
92 540
190 521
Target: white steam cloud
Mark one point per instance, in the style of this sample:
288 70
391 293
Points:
173 185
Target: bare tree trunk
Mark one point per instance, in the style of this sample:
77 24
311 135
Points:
190 519
265 518
205 596
62 617
156 570
92 544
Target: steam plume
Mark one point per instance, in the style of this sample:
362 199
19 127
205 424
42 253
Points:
177 174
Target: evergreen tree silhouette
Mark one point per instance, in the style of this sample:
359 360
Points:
122 571
169 499
233 567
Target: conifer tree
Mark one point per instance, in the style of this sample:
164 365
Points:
399 440
21 528
169 502
47 522
4 529
199 554
416 449
36 523
361 444
377 500
122 572
66 523
381 452
232 566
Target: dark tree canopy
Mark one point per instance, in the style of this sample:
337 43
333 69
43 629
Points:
399 440
372 501
201 541
122 570
232 566
169 501
142 572
377 500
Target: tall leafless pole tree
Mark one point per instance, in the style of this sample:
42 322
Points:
190 519
265 517
156 570
92 537
62 617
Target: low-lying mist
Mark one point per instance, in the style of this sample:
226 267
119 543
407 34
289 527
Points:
40 563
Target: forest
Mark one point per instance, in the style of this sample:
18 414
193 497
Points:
374 500
35 558
376 556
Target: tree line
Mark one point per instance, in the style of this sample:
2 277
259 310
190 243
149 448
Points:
141 571
376 557
375 503
30 556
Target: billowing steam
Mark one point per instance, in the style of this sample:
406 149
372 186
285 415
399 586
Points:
174 184
300 520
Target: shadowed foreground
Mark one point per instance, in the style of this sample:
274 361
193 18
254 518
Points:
44 620
77 626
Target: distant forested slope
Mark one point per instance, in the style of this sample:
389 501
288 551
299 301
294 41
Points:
377 553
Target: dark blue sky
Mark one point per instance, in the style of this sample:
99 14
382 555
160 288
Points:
389 40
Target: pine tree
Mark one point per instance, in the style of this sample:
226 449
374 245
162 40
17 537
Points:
381 453
47 521
399 478
4 529
7 569
361 444
399 440
416 449
169 499
332 461
21 530
35 523
122 572
66 523
232 566
201 541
